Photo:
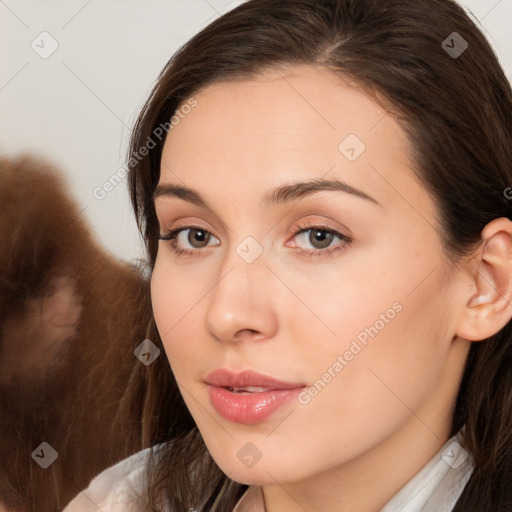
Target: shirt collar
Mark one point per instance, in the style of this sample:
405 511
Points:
251 500
436 487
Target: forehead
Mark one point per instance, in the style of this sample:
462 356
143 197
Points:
303 122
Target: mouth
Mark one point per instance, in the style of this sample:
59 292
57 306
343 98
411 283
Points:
249 397
247 390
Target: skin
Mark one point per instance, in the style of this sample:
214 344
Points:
290 315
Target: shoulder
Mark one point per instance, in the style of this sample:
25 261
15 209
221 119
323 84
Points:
115 489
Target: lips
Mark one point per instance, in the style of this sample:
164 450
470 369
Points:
227 379
248 397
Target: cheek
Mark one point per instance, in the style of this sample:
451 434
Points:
176 300
391 324
380 381
392 357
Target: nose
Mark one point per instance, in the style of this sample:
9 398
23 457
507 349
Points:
242 302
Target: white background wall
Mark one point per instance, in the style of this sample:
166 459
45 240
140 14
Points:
76 107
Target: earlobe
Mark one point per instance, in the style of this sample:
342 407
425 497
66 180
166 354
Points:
489 307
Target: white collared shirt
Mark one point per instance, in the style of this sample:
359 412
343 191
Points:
435 488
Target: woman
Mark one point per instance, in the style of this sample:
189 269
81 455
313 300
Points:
327 224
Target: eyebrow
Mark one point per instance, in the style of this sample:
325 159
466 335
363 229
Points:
279 195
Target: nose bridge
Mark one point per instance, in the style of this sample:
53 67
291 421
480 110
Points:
244 264
241 298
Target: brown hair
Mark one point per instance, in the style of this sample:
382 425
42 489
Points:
457 113
63 301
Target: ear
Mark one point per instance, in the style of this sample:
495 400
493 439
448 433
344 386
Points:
488 308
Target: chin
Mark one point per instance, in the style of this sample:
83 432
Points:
250 476
257 471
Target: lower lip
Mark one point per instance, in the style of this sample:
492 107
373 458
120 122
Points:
252 407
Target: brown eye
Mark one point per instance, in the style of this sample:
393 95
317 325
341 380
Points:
197 237
188 241
320 238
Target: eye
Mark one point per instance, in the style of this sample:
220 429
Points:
197 237
321 239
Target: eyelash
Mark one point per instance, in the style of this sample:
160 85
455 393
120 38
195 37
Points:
172 235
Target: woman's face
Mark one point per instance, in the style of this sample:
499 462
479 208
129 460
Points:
312 257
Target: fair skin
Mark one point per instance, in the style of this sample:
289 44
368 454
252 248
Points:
380 419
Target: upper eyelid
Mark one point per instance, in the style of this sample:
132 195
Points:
164 226
205 212
343 229
306 224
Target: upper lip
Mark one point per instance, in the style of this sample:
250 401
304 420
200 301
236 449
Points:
227 379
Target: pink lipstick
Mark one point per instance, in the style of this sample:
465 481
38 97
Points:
248 397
